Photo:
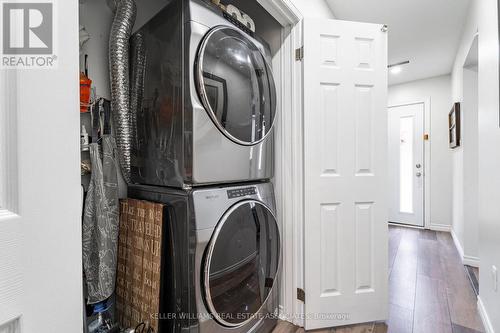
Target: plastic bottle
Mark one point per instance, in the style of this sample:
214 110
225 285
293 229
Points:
84 138
103 323
85 84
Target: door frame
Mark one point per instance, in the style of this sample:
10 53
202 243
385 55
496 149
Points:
288 161
288 179
427 156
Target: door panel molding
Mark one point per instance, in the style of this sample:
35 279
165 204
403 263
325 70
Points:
8 144
427 157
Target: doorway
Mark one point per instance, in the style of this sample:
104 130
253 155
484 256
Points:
467 230
406 164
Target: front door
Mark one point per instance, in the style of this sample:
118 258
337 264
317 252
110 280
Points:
345 148
406 164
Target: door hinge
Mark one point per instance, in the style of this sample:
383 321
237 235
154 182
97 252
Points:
301 295
299 54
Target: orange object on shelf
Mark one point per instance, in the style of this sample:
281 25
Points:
85 84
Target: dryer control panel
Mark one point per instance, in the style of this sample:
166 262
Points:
241 192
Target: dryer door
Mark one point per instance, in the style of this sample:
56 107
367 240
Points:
235 85
241 263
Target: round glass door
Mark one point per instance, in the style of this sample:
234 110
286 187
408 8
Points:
236 86
241 263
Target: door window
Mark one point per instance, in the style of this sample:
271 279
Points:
236 86
241 263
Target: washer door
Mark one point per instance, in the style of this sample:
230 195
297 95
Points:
241 263
235 85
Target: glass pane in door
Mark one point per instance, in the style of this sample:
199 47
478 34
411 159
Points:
406 164
236 85
242 263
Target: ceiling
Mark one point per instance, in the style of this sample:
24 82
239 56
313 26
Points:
425 32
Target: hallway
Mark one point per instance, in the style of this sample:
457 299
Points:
429 290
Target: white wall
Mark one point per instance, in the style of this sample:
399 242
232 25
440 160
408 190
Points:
438 89
97 18
469 110
313 8
458 159
483 18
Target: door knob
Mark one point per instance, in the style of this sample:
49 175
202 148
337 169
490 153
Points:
418 165
419 174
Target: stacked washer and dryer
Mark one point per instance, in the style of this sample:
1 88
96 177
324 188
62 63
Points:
204 147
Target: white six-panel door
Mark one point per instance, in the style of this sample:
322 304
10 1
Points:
345 147
406 164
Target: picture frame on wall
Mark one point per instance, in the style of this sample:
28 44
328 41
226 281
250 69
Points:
216 90
454 126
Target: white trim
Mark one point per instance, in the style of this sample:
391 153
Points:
476 35
288 176
427 155
466 259
283 173
457 244
484 316
411 226
432 226
296 183
470 261
282 10
440 227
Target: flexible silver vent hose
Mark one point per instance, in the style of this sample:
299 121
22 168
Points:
136 83
121 31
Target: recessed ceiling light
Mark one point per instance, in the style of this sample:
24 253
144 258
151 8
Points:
396 70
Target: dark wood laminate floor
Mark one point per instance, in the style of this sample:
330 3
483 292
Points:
429 290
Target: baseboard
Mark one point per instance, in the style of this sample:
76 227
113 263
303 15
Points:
466 260
459 247
484 316
470 261
394 224
282 315
440 227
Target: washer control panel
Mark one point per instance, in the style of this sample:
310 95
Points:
241 192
